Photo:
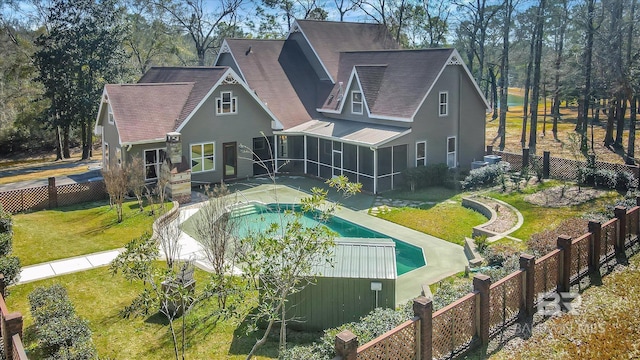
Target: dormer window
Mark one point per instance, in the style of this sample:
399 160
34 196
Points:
443 104
356 102
226 103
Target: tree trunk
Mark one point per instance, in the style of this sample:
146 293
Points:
494 93
556 91
58 144
631 145
65 142
504 74
608 137
581 123
527 86
539 31
620 114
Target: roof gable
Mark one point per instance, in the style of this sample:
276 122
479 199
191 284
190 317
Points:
144 112
328 39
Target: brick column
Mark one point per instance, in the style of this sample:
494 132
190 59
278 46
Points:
346 345
594 260
528 264
564 277
481 284
53 193
621 214
11 325
423 308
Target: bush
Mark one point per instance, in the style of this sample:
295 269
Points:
607 179
6 222
425 176
10 268
6 243
376 323
626 181
61 333
486 175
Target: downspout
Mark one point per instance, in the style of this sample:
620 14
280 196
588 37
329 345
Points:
305 154
275 154
375 170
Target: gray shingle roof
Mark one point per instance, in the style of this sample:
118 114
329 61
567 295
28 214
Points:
281 77
349 131
145 112
203 78
329 39
398 90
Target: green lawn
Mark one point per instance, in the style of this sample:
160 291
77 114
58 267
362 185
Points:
537 218
447 220
430 194
76 230
99 296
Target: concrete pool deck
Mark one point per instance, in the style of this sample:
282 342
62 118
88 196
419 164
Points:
443 258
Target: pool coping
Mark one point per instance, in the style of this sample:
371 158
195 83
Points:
443 258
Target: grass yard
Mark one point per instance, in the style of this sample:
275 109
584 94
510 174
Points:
98 297
430 194
537 218
447 220
605 326
76 230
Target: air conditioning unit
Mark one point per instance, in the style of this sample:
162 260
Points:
492 159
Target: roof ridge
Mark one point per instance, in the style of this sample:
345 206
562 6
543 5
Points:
396 50
158 84
339 22
188 67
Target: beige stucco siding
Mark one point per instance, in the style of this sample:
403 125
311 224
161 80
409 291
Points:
205 127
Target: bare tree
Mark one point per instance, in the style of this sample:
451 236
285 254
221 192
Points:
167 232
137 184
116 183
202 25
216 230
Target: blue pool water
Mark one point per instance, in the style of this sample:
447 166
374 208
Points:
257 217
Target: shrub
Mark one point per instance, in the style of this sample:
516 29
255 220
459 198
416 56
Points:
626 181
61 334
6 243
425 176
10 268
6 222
450 291
486 175
604 178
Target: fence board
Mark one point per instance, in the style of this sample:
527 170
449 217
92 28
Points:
580 254
505 301
37 198
632 226
454 327
399 343
608 240
546 275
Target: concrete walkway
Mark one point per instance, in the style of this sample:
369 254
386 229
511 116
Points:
66 266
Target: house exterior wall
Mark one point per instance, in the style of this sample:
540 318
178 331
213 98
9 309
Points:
206 126
309 54
334 301
110 136
226 59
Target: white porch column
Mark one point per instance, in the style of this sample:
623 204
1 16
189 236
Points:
275 152
305 154
375 171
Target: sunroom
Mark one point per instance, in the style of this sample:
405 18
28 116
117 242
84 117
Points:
374 156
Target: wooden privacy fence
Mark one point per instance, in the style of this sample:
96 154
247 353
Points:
52 196
557 168
485 313
10 329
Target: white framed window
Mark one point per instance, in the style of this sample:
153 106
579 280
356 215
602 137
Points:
443 103
110 115
153 159
421 153
451 152
105 155
226 103
203 157
283 147
356 102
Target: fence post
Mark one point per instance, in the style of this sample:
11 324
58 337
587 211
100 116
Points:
564 242
489 149
423 308
621 214
481 284
525 157
596 229
346 345
546 164
11 325
53 193
528 264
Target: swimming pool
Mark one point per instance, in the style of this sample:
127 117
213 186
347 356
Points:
256 217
